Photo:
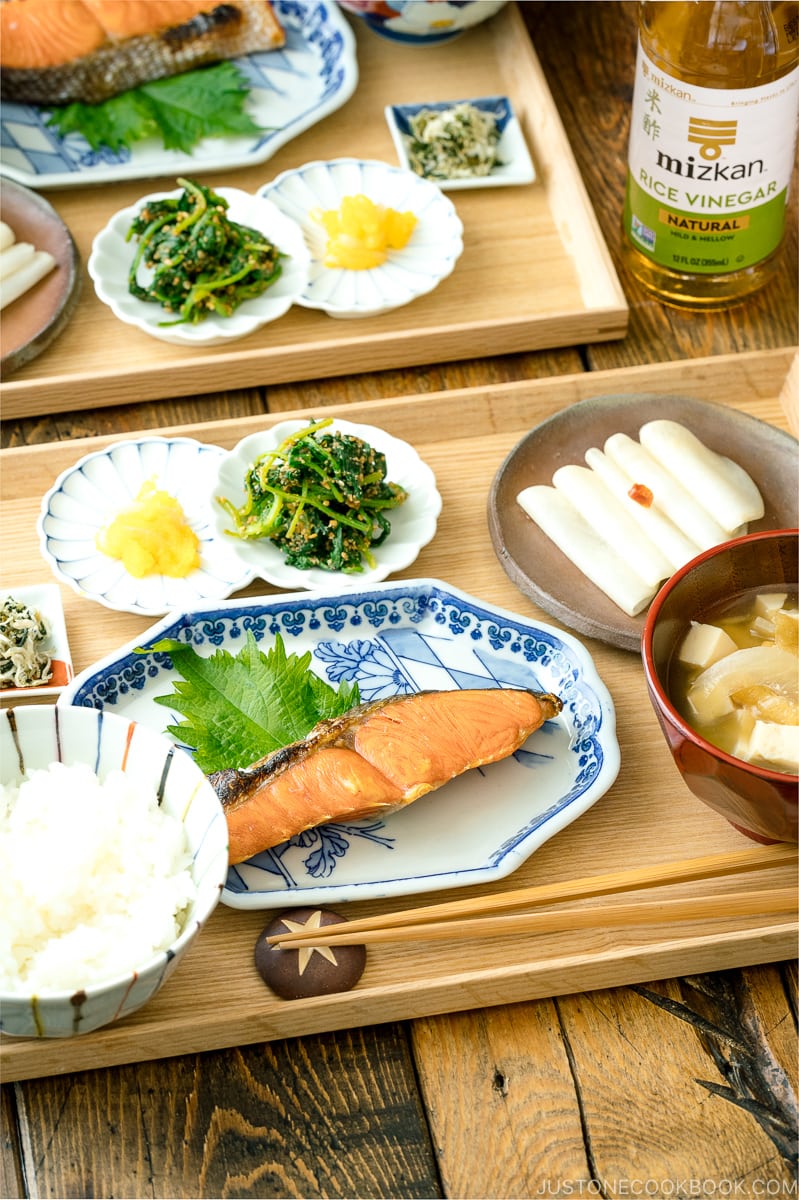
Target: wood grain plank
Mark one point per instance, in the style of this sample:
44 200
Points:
595 1091
312 394
423 381
123 419
500 1100
679 1131
336 1115
12 1185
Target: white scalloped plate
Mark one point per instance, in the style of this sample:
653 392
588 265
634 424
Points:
429 257
85 497
413 523
112 256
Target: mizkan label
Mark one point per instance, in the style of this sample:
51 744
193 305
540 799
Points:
709 170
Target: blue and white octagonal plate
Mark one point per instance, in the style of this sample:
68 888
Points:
292 88
400 637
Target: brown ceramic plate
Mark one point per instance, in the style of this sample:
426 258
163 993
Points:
30 323
546 575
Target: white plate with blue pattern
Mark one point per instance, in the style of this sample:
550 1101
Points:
429 257
395 638
87 496
292 88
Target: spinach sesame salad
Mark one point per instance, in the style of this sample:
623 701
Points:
322 498
202 263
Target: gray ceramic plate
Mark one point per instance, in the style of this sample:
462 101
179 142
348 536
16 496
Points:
543 573
31 322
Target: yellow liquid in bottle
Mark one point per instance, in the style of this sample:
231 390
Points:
720 45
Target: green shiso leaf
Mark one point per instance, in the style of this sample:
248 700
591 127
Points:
182 110
237 708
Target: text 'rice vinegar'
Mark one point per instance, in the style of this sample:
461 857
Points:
712 137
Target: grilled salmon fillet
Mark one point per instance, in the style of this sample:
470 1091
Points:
375 758
60 51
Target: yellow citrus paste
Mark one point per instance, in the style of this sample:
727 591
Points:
152 537
360 233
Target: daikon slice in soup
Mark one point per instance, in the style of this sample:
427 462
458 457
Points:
735 678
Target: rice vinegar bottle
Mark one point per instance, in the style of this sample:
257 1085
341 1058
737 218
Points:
712 136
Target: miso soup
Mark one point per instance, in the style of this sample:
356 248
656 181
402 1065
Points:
735 678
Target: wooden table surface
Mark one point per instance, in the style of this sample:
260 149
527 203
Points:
680 1087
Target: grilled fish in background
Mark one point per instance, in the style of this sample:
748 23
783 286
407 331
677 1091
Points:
61 51
374 759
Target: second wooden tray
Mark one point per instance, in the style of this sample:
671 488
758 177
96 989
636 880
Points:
217 999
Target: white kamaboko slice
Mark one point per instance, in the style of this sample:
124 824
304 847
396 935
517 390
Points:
7 236
676 545
729 495
14 257
17 284
574 537
668 493
614 524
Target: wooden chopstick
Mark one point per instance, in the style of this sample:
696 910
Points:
652 912
731 862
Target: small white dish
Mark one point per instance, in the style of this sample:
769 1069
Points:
111 258
87 496
44 599
429 257
399 637
413 523
514 165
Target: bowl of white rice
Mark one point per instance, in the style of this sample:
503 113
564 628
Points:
113 854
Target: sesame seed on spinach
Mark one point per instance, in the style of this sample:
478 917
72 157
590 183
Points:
202 263
322 498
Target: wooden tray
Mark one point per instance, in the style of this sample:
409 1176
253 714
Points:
535 272
216 999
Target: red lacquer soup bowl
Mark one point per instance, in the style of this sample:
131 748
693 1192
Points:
759 802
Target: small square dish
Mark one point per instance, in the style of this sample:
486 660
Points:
43 601
513 162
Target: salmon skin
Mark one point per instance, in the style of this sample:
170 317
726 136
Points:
375 758
62 51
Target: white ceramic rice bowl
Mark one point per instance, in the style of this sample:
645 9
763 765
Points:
111 257
429 257
32 737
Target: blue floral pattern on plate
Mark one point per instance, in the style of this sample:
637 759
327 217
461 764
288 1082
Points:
311 76
401 637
